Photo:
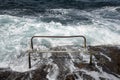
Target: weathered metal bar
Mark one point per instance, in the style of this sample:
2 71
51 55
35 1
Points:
29 59
58 51
91 52
90 59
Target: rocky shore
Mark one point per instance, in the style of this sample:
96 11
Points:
106 61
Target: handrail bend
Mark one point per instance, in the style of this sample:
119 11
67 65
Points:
57 37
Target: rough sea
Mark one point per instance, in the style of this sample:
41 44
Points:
97 20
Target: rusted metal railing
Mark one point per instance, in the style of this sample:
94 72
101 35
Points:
32 47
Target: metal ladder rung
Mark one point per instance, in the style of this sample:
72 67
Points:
57 51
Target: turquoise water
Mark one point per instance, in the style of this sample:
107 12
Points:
16 32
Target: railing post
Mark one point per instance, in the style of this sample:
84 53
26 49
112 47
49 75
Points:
32 43
84 41
90 58
29 59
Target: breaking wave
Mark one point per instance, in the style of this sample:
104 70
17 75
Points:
99 26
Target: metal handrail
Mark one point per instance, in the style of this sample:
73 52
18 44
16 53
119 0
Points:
57 37
32 47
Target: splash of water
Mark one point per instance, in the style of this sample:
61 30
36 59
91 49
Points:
15 34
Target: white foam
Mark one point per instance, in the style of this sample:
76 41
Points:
53 72
103 74
15 32
106 56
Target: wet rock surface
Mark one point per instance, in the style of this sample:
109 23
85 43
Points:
38 74
106 57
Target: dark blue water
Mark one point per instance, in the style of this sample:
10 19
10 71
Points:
41 5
